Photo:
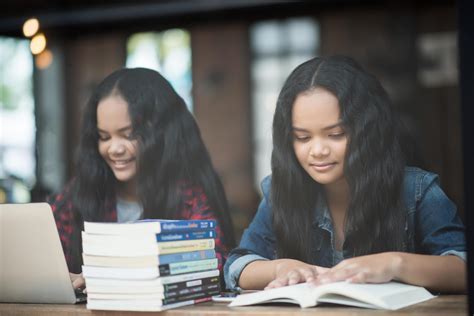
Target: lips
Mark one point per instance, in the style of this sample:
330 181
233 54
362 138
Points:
120 164
323 166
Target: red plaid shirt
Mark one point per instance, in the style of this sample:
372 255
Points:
195 207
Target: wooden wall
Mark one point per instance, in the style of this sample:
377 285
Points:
383 39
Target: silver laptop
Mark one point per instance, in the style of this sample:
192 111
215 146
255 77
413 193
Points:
32 264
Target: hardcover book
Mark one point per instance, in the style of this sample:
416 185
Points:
149 272
146 261
148 226
145 305
156 285
138 245
390 296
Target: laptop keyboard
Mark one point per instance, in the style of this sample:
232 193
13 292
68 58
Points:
80 295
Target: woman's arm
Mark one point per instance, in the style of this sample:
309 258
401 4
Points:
439 238
445 274
438 273
276 273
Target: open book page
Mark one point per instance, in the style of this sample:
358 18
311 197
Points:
296 294
390 295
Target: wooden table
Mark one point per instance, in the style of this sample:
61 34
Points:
444 305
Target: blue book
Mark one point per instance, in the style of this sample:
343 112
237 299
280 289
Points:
146 261
156 226
198 234
187 256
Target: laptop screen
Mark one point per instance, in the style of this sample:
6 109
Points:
33 267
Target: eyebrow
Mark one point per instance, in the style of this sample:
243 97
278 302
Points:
338 124
123 129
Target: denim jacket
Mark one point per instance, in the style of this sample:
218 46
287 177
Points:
432 227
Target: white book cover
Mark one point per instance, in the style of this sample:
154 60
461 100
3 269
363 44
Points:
138 245
132 305
120 261
120 273
152 284
102 228
126 296
390 296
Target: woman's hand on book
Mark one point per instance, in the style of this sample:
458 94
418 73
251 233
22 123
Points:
78 281
289 271
377 268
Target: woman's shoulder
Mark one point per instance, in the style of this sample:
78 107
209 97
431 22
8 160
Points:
189 191
61 200
266 184
194 199
415 184
418 179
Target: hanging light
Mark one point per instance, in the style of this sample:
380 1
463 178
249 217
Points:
30 27
44 59
38 44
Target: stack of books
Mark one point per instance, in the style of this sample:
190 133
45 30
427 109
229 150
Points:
149 265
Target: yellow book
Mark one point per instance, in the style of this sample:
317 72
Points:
185 245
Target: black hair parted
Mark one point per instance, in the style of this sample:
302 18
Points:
374 162
171 153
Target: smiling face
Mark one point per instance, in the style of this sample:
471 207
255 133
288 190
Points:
319 139
115 143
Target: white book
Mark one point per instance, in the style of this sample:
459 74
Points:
149 272
125 296
151 287
145 286
154 226
391 295
138 245
121 273
146 261
117 262
132 305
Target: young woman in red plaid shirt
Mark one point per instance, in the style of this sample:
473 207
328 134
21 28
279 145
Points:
140 156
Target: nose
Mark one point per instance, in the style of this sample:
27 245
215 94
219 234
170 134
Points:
319 148
117 147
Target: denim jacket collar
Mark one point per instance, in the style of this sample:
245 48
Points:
322 217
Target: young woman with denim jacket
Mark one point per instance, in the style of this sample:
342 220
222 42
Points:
341 204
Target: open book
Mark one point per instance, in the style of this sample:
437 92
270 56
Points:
390 295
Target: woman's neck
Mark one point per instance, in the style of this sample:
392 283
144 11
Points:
338 196
127 191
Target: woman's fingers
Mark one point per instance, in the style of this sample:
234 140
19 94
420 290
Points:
77 280
377 268
361 277
295 276
277 283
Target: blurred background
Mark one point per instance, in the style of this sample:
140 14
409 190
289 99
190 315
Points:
228 60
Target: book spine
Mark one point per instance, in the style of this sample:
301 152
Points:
191 296
212 284
187 225
199 234
185 246
187 256
187 266
189 276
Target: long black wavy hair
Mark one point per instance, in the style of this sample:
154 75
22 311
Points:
170 151
374 163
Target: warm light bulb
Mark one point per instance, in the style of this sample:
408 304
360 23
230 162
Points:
30 27
44 59
38 44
